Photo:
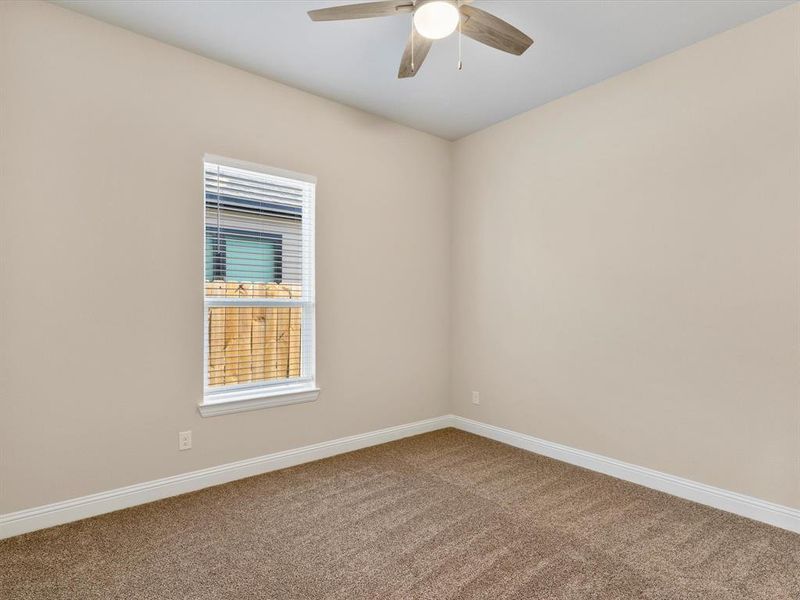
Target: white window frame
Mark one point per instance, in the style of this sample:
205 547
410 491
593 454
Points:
245 397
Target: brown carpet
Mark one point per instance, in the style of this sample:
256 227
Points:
437 516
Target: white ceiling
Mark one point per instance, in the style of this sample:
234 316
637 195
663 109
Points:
577 43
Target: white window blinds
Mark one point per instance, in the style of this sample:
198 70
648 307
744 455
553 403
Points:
259 280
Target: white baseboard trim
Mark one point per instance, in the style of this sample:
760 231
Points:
24 521
746 506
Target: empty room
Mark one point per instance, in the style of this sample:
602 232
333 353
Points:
400 300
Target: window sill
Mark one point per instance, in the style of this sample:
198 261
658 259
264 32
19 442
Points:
242 401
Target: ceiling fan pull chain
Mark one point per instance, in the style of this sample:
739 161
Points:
413 43
460 62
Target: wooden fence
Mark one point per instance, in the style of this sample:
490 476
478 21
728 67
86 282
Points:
248 344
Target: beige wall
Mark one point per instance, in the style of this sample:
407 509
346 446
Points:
627 265
103 136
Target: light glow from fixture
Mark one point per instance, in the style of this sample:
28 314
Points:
436 19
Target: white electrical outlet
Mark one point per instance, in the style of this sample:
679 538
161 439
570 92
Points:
185 440
476 397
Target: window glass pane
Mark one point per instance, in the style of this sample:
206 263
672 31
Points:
253 344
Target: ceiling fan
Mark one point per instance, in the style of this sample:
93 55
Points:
433 20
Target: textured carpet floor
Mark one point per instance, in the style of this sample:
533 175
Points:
438 516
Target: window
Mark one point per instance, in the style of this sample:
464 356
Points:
259 287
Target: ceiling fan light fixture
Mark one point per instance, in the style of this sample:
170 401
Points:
436 19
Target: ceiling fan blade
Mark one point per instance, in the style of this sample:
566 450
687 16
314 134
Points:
492 31
364 10
421 47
